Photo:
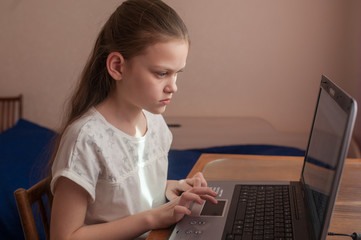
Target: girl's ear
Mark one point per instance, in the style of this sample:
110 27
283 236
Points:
115 62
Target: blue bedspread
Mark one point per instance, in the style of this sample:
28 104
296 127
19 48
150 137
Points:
24 152
23 157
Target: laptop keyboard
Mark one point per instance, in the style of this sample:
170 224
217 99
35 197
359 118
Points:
263 212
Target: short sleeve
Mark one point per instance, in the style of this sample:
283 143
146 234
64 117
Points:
78 159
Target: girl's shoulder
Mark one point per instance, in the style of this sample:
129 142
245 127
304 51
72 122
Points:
88 123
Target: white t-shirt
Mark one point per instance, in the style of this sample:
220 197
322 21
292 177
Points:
123 175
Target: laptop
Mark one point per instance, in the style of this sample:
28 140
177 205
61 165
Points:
283 210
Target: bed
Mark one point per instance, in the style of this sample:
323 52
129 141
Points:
25 149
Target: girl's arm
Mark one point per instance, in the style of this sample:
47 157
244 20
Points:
70 204
68 214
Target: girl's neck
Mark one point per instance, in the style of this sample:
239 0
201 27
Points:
128 119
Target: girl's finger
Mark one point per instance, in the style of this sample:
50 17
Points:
203 180
197 182
180 211
188 197
203 191
199 175
209 198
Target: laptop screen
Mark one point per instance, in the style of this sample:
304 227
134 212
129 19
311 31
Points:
326 153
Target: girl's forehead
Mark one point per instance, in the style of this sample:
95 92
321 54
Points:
174 51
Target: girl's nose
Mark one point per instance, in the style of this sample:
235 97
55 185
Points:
171 86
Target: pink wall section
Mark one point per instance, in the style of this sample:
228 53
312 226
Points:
357 132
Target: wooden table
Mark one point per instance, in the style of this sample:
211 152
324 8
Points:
347 212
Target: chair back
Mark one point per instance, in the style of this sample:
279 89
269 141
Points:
39 193
10 111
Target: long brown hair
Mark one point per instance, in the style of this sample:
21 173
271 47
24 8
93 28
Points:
135 25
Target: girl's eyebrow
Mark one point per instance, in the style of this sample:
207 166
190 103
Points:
169 69
181 70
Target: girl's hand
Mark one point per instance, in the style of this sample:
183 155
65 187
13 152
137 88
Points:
173 211
176 188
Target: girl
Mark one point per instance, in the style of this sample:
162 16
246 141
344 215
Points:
110 165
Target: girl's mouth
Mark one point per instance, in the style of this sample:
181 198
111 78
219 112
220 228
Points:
165 101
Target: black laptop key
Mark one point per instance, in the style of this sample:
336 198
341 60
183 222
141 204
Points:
247 236
241 210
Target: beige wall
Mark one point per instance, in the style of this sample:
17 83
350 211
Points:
256 58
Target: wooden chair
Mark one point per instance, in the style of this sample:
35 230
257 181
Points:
10 111
24 201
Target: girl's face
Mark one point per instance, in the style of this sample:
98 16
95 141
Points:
149 80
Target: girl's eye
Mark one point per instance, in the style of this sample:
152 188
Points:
162 74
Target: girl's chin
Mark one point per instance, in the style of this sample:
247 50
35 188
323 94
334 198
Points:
158 110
